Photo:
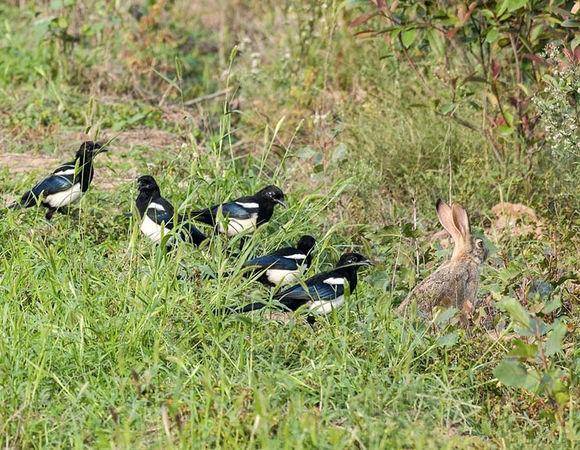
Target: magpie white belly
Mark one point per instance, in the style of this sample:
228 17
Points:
278 276
152 230
325 306
64 198
236 226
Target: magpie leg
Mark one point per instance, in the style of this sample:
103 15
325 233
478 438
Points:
49 214
311 320
243 241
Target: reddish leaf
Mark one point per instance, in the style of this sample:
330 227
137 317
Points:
525 123
449 34
577 50
363 18
534 58
381 4
495 69
499 121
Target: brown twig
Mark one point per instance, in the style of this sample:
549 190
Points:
207 97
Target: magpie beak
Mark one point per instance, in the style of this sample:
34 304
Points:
281 202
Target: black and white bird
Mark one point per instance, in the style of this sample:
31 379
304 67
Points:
284 266
242 214
320 294
67 184
158 215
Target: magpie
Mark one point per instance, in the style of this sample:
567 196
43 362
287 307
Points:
321 294
284 266
244 213
157 214
66 184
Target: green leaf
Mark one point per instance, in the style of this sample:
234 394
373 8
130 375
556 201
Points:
505 130
448 340
536 32
445 316
516 311
536 327
509 117
488 14
408 37
511 6
447 108
552 305
555 338
562 398
514 5
305 152
492 35
339 153
571 23
523 350
511 373
532 380
436 42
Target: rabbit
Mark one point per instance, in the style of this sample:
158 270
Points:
455 282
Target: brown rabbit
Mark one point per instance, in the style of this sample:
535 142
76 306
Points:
455 282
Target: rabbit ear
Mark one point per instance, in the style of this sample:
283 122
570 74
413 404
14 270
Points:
445 214
461 220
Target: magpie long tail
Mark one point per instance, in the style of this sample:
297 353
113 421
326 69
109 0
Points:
26 201
193 235
203 216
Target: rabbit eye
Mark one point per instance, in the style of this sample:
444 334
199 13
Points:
479 243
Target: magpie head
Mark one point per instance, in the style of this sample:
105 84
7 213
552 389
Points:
272 194
89 149
353 260
147 183
306 244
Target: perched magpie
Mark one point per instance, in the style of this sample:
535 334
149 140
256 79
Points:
157 214
244 213
321 293
285 265
66 184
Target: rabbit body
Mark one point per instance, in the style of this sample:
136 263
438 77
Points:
455 282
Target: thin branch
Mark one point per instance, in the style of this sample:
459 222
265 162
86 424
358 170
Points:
207 97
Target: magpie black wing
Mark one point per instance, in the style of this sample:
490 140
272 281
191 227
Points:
315 289
52 184
66 169
161 211
232 210
238 210
273 262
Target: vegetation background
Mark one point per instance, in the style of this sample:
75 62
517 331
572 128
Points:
365 112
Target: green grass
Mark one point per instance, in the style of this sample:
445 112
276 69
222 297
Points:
104 345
